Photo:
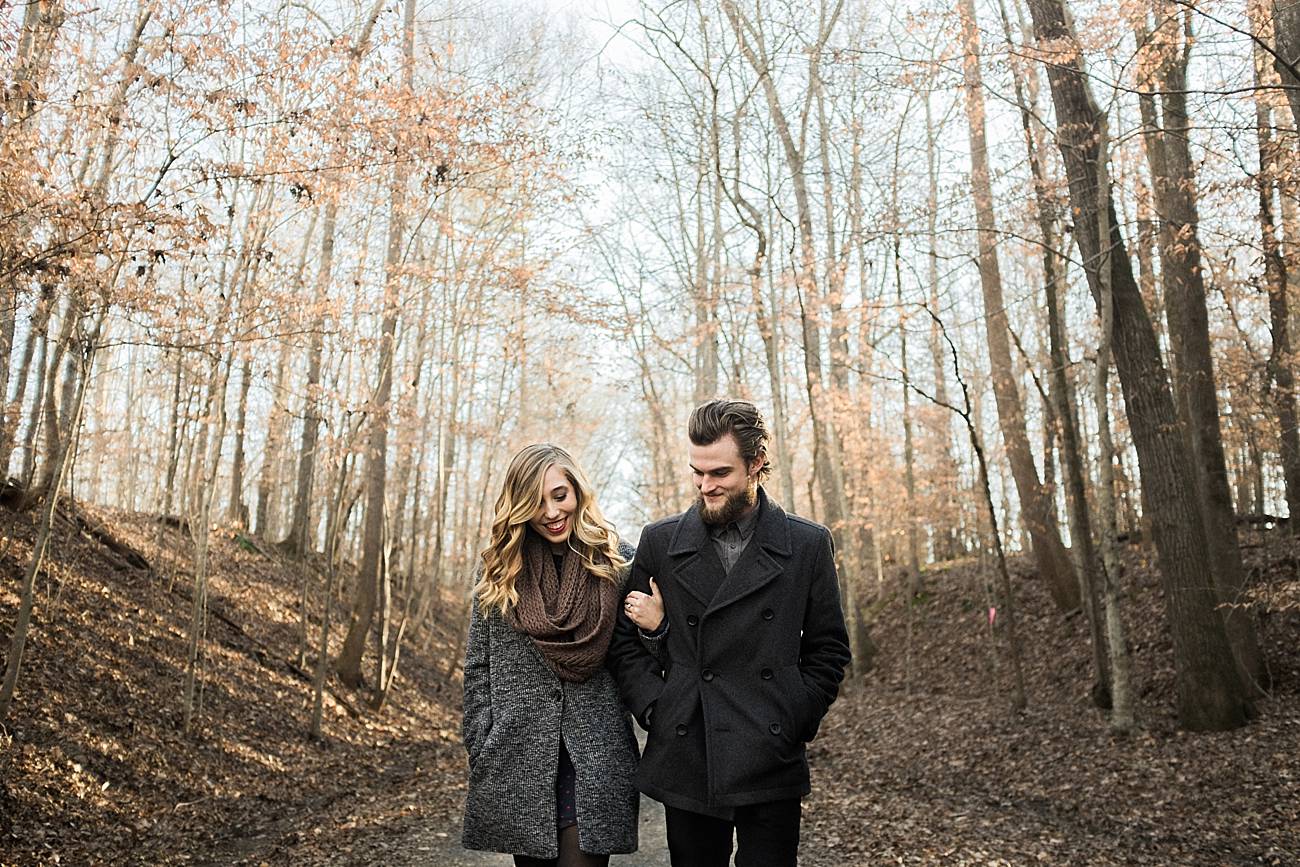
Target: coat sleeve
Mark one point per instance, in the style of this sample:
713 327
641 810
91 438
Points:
824 648
635 667
652 641
477 705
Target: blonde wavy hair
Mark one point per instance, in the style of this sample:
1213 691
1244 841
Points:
592 537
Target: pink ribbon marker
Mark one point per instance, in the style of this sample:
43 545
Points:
993 615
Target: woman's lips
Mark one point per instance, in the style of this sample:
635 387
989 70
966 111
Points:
556 528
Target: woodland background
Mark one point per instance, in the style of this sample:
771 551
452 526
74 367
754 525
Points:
286 283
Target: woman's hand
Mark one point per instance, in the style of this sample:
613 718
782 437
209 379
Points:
647 612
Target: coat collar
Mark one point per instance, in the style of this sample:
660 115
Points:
772 532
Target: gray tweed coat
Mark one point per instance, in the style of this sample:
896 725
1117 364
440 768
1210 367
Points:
515 712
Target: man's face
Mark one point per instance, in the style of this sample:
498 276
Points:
728 487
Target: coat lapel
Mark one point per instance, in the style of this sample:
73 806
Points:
757 567
698 575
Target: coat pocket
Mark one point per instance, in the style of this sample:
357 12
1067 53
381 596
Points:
476 747
802 714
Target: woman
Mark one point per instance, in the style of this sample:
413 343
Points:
548 738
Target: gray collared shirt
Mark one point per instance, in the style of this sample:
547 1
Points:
731 539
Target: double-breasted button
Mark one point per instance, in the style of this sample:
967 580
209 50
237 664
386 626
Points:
768 613
692 620
774 728
681 729
766 674
707 675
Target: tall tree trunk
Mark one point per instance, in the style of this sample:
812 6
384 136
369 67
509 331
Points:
1275 282
1121 717
915 584
335 518
23 97
1062 399
1211 694
363 602
40 28
1174 189
271 478
947 540
706 250
200 524
1037 510
299 539
1003 613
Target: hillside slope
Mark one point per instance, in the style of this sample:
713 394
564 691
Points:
94 767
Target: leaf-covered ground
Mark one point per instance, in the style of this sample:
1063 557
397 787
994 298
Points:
94 766
924 764
920 762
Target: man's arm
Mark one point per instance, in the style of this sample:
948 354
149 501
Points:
824 648
638 672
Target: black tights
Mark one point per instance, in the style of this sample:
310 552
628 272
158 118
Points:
570 854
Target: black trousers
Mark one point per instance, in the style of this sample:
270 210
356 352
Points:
766 835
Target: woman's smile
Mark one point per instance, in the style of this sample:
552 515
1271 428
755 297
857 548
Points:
554 515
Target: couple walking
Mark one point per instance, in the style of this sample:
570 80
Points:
727 643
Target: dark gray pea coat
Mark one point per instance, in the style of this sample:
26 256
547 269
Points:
516 710
751 669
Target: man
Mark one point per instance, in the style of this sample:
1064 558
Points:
753 649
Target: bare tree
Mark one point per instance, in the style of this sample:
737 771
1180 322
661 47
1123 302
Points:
1211 694
1039 514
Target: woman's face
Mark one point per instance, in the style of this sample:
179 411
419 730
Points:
553 520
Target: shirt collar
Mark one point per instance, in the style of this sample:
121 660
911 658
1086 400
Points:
744 526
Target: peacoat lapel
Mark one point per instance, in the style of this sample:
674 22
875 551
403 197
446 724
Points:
700 574
757 567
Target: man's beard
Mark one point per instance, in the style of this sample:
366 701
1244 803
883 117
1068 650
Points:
735 505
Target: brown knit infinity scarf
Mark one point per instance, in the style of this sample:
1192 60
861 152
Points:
569 616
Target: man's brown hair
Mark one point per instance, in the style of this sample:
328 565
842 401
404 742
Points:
713 420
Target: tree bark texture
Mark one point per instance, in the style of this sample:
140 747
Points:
1211 695
1182 273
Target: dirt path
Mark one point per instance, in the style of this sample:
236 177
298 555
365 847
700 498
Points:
441 847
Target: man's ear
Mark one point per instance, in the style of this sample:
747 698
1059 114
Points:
757 463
